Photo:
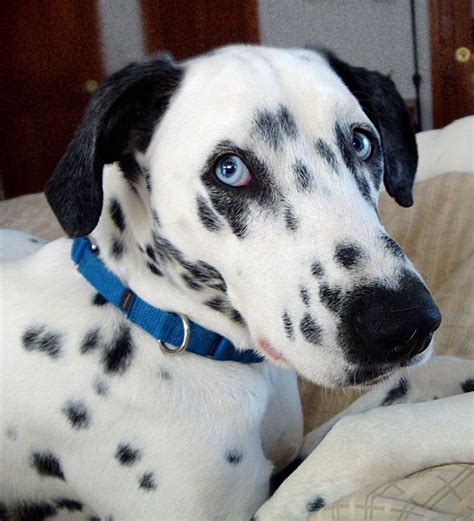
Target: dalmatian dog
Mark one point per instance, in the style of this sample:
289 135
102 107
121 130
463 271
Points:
238 189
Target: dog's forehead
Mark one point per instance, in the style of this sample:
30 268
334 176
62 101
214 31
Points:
223 93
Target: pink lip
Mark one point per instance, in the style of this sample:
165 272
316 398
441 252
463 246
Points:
271 351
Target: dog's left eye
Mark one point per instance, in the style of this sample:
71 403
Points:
362 145
231 170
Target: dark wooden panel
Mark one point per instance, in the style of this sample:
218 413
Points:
49 50
450 28
188 28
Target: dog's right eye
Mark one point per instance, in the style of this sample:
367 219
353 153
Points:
231 170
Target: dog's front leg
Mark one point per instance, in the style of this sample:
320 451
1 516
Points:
377 446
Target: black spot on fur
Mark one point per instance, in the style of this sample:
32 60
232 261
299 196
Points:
164 374
272 127
190 282
348 255
41 339
234 457
77 414
69 504
207 216
235 316
116 214
127 455
324 150
331 297
363 186
310 329
101 388
396 393
290 219
90 341
150 252
47 464
315 504
11 434
117 248
216 303
99 300
317 269
33 511
32 239
118 355
302 176
147 481
154 269
166 251
468 385
304 294
288 325
393 246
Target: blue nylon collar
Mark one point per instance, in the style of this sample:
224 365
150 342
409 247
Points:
162 325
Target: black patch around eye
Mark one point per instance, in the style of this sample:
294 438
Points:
69 504
90 341
233 457
117 248
315 504
290 219
127 455
118 355
310 329
392 246
154 269
147 481
288 326
468 385
345 148
207 216
396 393
304 294
116 214
98 300
348 255
234 204
324 151
28 511
40 339
77 414
317 270
302 176
47 464
331 298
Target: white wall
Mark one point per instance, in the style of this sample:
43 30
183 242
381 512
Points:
371 33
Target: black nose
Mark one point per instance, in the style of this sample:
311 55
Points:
394 325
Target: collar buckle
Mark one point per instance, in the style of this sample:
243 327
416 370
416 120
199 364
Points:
186 336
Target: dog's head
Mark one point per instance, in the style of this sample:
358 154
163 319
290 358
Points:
260 169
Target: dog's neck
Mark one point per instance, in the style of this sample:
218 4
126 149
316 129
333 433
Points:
134 246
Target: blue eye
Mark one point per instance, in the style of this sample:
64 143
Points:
232 171
362 145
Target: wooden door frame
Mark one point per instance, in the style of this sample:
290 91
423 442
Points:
211 23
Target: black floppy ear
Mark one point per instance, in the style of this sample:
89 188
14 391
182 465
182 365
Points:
122 113
386 109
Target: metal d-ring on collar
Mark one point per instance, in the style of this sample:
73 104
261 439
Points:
184 343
